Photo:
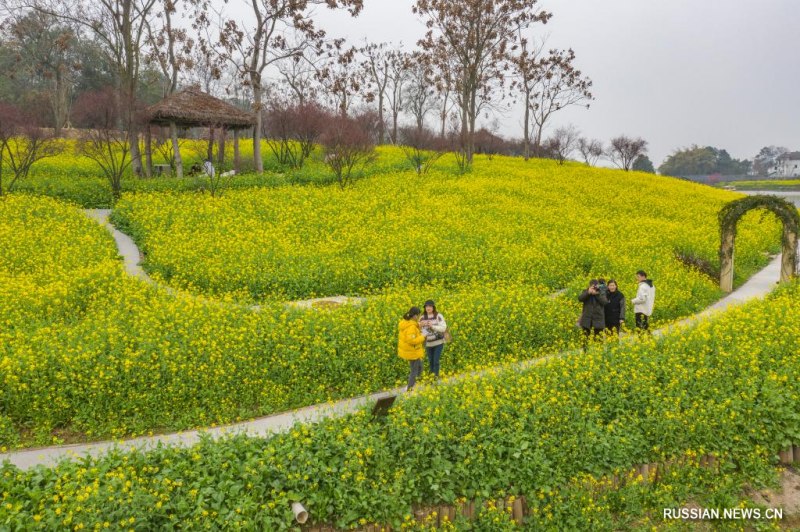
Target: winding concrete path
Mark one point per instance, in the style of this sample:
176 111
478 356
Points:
757 286
125 245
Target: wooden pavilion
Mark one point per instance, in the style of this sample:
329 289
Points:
192 107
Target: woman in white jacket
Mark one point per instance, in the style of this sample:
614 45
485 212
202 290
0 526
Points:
644 301
433 328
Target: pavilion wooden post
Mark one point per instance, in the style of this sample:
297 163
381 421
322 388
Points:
210 150
173 131
236 157
148 151
789 258
221 148
726 261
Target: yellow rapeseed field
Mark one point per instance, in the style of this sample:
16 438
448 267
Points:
87 352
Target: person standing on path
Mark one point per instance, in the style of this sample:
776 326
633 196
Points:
433 327
593 317
644 301
409 344
615 309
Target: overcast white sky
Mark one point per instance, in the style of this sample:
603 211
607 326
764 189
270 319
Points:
676 72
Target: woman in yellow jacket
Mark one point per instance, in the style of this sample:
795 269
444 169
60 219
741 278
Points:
411 342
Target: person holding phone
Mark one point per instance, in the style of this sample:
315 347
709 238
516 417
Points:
433 327
593 317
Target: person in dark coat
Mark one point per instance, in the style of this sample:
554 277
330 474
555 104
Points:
615 309
593 317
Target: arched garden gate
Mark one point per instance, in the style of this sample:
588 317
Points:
728 218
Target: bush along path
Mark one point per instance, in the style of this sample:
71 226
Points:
601 441
757 286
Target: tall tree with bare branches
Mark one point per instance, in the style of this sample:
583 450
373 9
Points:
265 39
557 84
421 90
476 35
298 75
623 151
341 81
169 46
120 26
527 65
376 66
47 48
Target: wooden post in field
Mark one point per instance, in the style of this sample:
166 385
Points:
173 131
726 262
221 149
789 257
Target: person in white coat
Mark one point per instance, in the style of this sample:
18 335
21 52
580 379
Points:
433 328
644 301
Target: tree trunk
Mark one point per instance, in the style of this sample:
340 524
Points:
148 151
173 131
59 102
381 125
136 153
259 162
526 148
443 115
236 159
538 142
221 147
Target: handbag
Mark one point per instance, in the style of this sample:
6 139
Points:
448 337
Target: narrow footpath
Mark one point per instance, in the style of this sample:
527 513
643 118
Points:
758 286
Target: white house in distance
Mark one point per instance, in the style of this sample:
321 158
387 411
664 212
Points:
787 165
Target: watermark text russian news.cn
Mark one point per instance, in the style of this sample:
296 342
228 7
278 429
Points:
711 514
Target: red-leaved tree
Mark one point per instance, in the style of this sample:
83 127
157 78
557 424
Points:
347 146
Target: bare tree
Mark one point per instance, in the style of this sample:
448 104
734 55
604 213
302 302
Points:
476 35
421 147
420 92
395 94
445 86
562 143
298 74
457 143
341 82
120 27
346 146
591 150
47 48
527 66
103 143
623 151
168 46
377 72
265 39
21 145
556 85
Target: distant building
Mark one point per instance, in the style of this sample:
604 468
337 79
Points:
787 165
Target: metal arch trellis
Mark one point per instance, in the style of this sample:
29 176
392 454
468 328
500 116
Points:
729 218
